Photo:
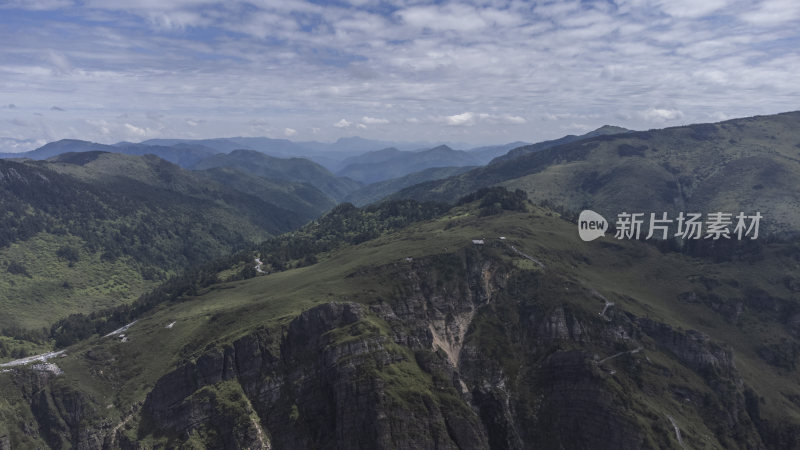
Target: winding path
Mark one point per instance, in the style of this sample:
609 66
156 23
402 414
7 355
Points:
636 350
23 361
677 431
527 256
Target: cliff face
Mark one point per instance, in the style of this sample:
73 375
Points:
343 375
465 361
467 353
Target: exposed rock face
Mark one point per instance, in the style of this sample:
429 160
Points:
692 348
322 391
475 359
62 416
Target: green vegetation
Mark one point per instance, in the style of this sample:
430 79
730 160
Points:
637 277
375 192
344 225
747 165
293 169
554 339
85 232
374 167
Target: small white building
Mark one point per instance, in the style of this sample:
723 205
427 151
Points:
477 241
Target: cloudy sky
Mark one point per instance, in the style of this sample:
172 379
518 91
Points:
488 71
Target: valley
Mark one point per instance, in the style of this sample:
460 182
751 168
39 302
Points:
412 312
484 322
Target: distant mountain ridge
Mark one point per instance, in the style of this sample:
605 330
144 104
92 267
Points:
84 231
178 153
750 164
530 148
392 163
376 192
292 169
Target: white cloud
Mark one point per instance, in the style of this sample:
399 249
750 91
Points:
452 17
373 121
361 126
37 5
288 132
515 120
662 114
691 8
12 145
302 65
773 12
469 119
463 119
59 62
135 131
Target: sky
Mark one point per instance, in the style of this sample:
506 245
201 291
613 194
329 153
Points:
480 72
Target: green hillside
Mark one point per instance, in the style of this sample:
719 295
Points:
374 192
302 198
91 230
420 338
183 154
289 169
520 150
374 167
748 165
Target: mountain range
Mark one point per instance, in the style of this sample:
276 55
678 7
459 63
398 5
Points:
740 165
88 230
417 337
463 312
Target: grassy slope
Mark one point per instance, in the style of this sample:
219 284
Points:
637 277
290 169
308 201
377 191
161 218
738 165
57 288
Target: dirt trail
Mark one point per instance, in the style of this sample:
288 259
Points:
23 361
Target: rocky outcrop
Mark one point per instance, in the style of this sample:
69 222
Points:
328 386
692 348
345 375
465 354
61 415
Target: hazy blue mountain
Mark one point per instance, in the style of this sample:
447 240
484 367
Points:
358 145
490 152
179 153
302 198
521 150
392 163
290 169
375 192
58 147
374 157
748 165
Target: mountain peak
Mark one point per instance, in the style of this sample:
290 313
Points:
607 129
440 148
